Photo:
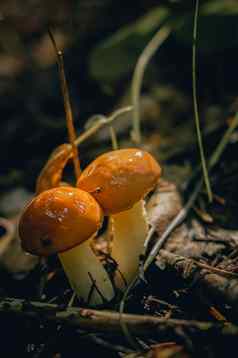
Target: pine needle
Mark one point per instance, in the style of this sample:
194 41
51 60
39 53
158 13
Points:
67 106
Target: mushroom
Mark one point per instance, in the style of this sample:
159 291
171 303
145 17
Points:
119 180
52 172
61 220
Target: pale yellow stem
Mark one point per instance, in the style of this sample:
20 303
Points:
83 270
129 229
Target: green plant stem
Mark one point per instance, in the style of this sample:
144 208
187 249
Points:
103 121
195 105
137 78
114 140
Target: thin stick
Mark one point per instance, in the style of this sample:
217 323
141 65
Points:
142 62
102 122
223 143
106 321
218 271
218 151
127 333
195 105
113 135
67 106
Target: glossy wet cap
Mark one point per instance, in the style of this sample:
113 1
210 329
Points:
59 219
120 178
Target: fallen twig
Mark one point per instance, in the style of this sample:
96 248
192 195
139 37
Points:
220 284
102 122
106 321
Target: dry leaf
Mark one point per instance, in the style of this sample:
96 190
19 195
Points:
12 257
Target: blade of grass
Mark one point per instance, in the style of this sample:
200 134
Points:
100 118
195 105
102 122
223 143
114 140
158 39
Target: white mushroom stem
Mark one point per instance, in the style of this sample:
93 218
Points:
87 275
129 230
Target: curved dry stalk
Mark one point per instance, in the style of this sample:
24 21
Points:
100 118
103 121
142 62
51 174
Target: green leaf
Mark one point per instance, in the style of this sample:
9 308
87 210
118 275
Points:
219 7
116 57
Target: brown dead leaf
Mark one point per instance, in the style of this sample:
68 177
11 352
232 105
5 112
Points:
12 257
203 215
168 350
162 350
163 206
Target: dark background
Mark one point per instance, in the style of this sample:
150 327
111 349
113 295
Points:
32 114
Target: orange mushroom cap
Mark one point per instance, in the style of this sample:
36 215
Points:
59 219
120 178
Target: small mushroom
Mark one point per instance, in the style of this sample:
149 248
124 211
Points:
61 220
119 180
